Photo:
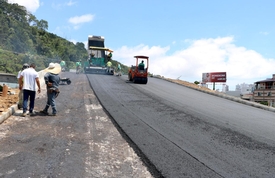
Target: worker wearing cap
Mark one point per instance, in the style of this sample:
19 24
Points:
63 65
78 66
31 80
20 94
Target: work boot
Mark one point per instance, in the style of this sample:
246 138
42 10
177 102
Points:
24 114
44 112
32 113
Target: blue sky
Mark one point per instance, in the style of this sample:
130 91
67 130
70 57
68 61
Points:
183 38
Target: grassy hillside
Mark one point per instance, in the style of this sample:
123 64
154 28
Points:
24 39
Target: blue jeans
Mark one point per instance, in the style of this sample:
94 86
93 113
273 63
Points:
51 102
26 95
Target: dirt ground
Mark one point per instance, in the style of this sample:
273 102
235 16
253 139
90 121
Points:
9 100
188 84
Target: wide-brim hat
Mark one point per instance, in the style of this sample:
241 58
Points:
53 68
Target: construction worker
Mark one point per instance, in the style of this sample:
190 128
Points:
119 69
20 95
91 59
63 65
109 56
52 80
141 65
109 65
31 80
78 66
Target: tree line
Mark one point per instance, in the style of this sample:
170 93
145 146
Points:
24 39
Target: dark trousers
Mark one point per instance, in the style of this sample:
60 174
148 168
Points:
26 95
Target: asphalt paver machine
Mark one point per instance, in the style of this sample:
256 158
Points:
96 63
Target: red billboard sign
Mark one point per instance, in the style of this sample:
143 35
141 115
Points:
212 77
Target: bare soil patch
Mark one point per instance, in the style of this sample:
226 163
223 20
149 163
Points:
9 100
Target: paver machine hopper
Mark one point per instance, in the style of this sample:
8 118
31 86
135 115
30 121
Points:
139 73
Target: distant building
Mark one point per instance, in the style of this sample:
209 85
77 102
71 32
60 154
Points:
245 88
225 88
238 88
265 90
244 91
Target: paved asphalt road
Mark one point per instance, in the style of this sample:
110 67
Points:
188 133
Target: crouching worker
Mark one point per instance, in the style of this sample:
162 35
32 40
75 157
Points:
52 80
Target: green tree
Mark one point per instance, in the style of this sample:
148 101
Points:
196 82
42 25
24 39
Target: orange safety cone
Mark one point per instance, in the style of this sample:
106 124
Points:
5 90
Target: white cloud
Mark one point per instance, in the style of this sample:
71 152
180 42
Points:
58 6
264 33
31 5
81 19
205 55
71 3
86 44
72 40
76 27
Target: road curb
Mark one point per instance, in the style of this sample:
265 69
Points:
7 114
